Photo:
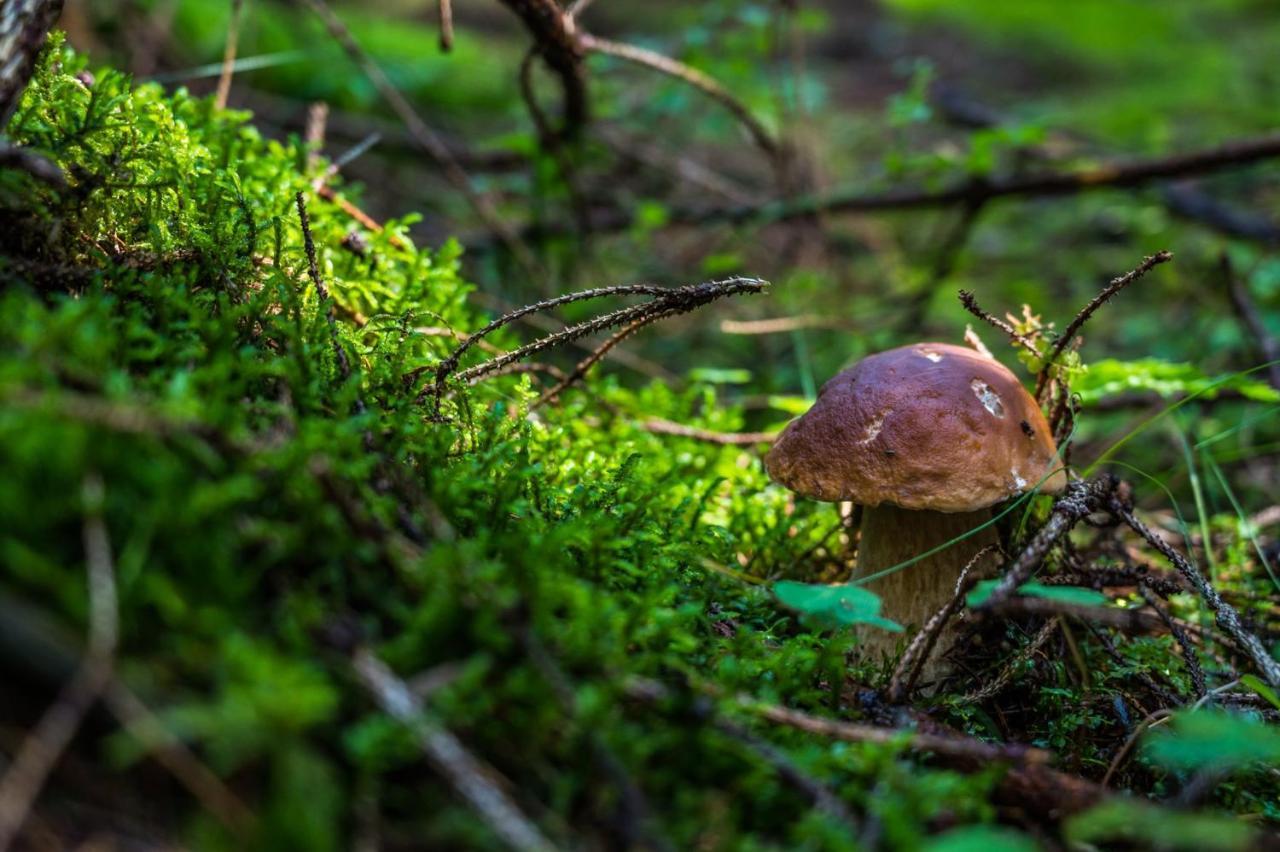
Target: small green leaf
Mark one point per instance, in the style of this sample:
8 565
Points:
1077 595
841 604
1255 683
981 838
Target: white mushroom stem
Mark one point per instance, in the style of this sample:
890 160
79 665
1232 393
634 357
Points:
911 595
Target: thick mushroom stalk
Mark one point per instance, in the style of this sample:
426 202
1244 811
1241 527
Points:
890 536
926 438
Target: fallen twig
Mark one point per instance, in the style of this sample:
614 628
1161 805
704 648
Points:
1247 311
427 139
229 55
1184 642
445 10
666 302
1079 500
1123 173
659 426
971 305
695 78
471 778
40 751
588 362
996 685
1116 285
1225 614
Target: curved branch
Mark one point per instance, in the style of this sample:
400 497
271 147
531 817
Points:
562 50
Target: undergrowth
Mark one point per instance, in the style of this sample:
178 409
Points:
267 513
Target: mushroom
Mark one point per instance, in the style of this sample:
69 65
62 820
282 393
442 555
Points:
926 438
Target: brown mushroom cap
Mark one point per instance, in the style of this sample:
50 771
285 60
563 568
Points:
927 426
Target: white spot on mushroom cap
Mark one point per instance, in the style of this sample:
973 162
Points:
874 427
990 399
1018 482
933 356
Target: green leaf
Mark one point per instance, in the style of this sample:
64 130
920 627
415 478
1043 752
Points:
1077 595
715 376
1110 377
981 838
1255 683
1212 739
1154 827
840 604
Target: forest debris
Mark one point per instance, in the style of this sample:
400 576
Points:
465 773
25 777
1225 614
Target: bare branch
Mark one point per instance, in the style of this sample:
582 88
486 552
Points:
229 55
427 139
659 426
445 9
693 77
471 778
1116 285
1247 311
1081 499
1225 614
971 305
40 751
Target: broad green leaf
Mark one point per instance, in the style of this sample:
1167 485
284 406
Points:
1154 827
1110 377
981 838
841 604
1077 595
1212 739
1255 683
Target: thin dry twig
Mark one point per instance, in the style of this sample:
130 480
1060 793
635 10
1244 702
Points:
171 753
1116 285
588 362
996 685
326 303
971 305
313 134
780 325
915 740
1247 311
693 77
667 301
1224 613
1124 173
40 751
445 10
229 55
1079 500
1184 642
660 426
471 778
